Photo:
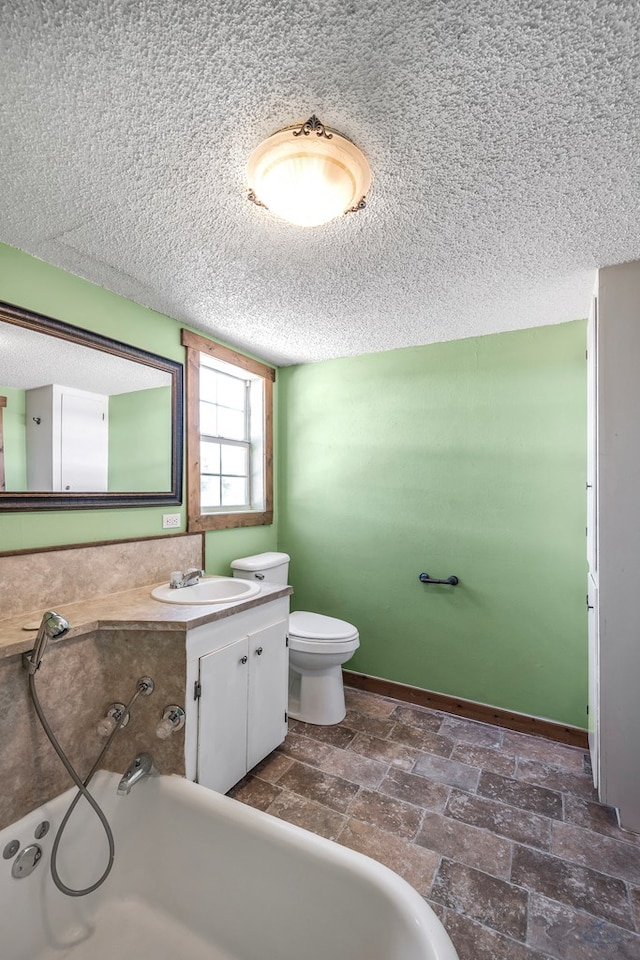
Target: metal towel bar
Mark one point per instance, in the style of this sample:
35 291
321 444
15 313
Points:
425 578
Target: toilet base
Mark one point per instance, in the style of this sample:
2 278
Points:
317 696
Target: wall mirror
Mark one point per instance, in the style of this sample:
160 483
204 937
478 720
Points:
85 421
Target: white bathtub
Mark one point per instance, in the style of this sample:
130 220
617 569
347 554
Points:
198 876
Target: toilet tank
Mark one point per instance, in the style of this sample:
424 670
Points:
271 567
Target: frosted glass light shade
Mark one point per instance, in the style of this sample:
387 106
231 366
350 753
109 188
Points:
308 179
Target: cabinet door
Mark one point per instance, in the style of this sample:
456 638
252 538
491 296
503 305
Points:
222 717
84 443
268 691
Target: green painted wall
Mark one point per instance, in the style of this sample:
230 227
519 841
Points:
35 285
140 440
15 438
467 457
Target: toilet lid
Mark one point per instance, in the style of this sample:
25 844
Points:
314 626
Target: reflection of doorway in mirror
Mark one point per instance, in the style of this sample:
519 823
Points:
67 439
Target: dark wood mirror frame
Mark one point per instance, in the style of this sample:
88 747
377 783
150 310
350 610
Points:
10 501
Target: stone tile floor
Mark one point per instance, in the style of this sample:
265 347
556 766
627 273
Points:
500 831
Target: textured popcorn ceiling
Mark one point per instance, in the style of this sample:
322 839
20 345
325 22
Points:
29 359
503 138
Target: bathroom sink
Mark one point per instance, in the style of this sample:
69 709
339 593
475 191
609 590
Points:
208 590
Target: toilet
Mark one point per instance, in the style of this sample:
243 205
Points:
318 646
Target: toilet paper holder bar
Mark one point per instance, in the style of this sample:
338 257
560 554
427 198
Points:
425 578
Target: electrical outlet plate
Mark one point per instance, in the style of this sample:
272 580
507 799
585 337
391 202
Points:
170 520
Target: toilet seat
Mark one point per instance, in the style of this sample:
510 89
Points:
315 626
315 633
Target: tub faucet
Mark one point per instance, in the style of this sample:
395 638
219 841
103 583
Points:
187 579
140 767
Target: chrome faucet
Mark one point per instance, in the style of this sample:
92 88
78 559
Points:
140 767
187 579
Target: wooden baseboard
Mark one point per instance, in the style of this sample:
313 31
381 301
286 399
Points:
561 732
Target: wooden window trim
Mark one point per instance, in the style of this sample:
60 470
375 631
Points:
196 521
3 487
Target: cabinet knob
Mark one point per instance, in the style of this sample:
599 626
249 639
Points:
259 651
243 659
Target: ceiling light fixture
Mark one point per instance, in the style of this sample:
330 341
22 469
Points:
308 174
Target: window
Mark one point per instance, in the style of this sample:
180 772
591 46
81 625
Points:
229 437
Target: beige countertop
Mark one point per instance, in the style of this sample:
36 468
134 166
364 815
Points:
129 610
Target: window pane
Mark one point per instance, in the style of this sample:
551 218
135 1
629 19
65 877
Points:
232 392
231 430
208 419
209 493
234 492
210 457
231 424
234 460
208 384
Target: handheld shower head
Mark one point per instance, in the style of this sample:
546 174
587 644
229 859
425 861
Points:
52 626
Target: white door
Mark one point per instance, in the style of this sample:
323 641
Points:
592 540
84 443
594 678
592 439
268 691
222 717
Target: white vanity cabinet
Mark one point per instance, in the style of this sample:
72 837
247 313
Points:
237 688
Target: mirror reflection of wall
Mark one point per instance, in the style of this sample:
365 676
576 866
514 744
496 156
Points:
139 435
80 420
